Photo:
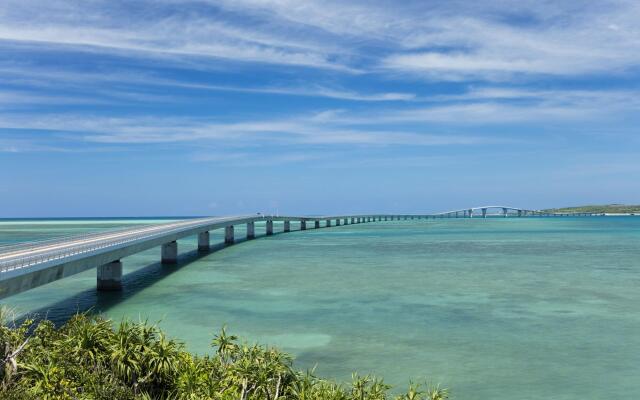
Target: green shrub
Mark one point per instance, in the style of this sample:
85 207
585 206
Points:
89 358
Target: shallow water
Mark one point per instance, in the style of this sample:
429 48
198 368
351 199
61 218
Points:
496 309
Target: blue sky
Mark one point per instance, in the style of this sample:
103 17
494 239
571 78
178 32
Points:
177 107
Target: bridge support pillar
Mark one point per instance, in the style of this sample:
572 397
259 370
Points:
337 221
251 230
470 213
353 220
316 224
484 213
110 276
203 241
346 221
229 236
519 213
169 253
287 226
303 225
269 227
328 223
504 212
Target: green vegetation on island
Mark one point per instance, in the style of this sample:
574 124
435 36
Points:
90 358
601 209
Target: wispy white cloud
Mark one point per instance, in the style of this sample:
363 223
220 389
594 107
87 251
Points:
38 78
448 40
304 129
594 39
179 34
248 159
454 40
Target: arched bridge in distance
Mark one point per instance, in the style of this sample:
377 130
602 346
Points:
28 265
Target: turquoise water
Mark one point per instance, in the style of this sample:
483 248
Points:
498 309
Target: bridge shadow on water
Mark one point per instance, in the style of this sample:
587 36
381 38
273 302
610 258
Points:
94 301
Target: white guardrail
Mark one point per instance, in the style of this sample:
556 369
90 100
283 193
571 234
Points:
95 242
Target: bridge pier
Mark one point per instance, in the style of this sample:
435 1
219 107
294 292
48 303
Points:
484 213
327 223
169 253
203 241
337 221
229 237
519 213
109 276
346 221
353 220
251 230
505 212
287 226
316 224
470 213
269 227
303 225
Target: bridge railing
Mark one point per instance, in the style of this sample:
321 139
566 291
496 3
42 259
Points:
6 248
36 259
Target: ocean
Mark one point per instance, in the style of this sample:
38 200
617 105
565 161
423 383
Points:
496 308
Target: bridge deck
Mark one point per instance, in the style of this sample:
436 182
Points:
27 265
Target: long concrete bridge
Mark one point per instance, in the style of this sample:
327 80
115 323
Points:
28 265
504 211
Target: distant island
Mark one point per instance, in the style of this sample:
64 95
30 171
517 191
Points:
598 209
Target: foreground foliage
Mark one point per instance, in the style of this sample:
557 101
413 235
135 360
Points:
89 358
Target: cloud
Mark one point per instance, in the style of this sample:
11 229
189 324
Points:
37 78
300 130
568 43
176 32
454 40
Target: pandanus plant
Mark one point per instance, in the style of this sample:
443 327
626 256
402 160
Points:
87 358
